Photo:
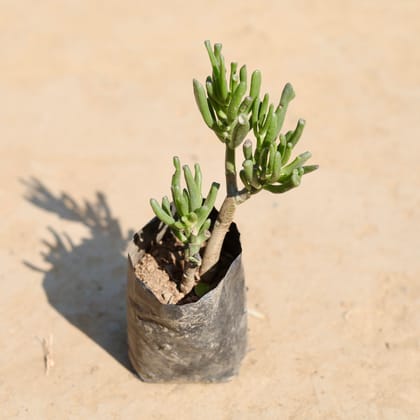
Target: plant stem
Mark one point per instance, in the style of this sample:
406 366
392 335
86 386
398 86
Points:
226 214
192 262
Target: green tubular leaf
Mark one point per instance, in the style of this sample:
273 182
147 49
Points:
263 109
271 158
276 168
186 198
210 52
198 176
192 218
160 213
202 103
244 180
243 74
222 80
204 211
295 136
254 90
281 114
288 135
247 149
278 189
263 162
221 114
297 163
309 168
211 196
240 131
193 190
295 178
248 171
166 205
246 105
234 79
178 226
286 153
272 131
181 204
180 236
254 115
218 52
287 95
269 119
209 87
204 233
176 178
282 144
235 102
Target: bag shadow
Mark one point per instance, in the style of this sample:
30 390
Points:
85 282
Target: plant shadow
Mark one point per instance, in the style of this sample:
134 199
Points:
85 282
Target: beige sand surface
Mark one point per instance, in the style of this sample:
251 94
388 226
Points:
96 96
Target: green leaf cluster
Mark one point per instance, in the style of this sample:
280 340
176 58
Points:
224 103
266 166
188 215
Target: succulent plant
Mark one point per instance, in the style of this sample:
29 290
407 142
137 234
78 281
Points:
232 114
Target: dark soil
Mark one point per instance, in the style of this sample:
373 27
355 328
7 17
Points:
161 270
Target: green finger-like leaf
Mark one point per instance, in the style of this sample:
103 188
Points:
263 109
181 204
271 158
309 168
263 162
282 144
166 205
240 131
287 153
204 211
287 95
209 87
186 198
210 52
234 79
218 52
160 213
272 131
247 149
244 180
180 236
222 80
178 226
296 163
193 191
295 178
246 105
276 168
248 171
255 115
202 103
198 176
269 119
243 74
278 189
295 136
176 178
254 90
235 102
205 227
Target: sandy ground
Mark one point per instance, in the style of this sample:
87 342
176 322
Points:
96 98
